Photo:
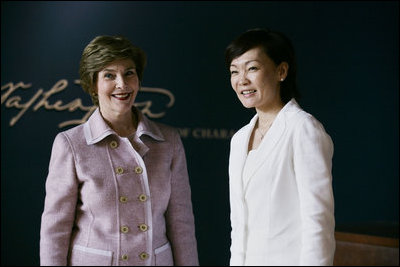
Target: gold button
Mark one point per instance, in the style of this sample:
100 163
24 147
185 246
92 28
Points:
138 170
124 229
113 144
144 255
123 199
119 170
143 197
124 257
143 227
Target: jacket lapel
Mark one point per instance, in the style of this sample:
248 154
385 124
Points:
271 138
96 129
267 145
237 160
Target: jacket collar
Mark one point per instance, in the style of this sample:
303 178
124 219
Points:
271 138
147 127
96 129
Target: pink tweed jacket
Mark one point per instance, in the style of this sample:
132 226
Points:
108 203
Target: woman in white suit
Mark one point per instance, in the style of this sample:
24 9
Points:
280 164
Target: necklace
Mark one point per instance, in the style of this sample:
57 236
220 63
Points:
262 135
266 130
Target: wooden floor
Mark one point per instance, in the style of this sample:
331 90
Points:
365 250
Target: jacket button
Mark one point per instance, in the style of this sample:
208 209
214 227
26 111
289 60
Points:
113 144
143 197
143 227
124 229
138 170
143 255
119 170
123 199
124 257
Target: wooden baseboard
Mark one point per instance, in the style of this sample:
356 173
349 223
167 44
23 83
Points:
365 250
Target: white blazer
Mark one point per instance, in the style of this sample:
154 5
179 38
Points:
283 214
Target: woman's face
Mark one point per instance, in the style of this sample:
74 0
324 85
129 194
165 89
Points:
256 79
117 86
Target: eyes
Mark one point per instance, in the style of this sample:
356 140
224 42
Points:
233 72
250 69
108 75
111 75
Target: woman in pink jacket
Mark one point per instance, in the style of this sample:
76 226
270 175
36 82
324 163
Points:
117 191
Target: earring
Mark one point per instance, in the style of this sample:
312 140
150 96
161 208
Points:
282 79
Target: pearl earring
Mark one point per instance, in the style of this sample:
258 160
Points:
282 79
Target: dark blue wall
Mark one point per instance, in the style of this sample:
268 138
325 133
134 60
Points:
348 66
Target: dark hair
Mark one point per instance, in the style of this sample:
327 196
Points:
276 46
100 52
